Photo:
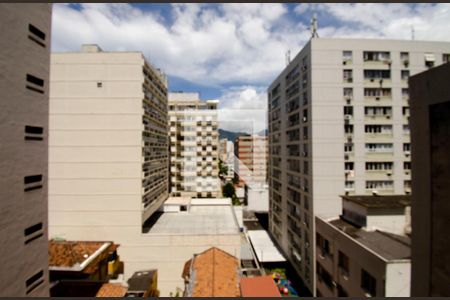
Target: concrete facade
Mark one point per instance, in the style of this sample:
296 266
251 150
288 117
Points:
430 117
24 61
226 155
194 143
251 163
257 197
338 123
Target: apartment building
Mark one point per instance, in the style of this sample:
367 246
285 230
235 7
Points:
338 124
366 252
251 165
24 61
194 143
430 123
226 155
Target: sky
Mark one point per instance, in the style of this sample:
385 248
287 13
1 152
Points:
233 51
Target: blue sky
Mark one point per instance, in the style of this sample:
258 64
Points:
233 51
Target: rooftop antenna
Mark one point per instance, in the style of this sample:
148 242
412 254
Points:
314 33
412 33
288 57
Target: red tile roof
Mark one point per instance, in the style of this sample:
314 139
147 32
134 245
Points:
112 290
262 286
216 274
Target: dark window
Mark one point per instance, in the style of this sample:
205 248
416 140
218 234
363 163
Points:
343 262
33 132
33 229
34 281
36 31
368 283
99 84
35 80
32 179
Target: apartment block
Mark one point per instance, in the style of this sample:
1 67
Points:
251 163
226 155
24 61
430 123
338 124
366 252
194 143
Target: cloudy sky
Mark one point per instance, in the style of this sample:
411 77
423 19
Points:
232 52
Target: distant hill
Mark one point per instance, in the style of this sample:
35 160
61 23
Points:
263 132
230 135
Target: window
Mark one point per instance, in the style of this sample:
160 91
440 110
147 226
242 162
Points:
32 182
36 35
34 281
324 276
379 184
348 92
323 244
346 57
429 60
348 148
348 129
404 57
33 232
348 110
379 147
99 84
405 74
34 133
35 83
341 291
407 147
405 92
377 92
445 58
379 165
348 76
368 283
343 263
377 74
376 56
349 166
407 165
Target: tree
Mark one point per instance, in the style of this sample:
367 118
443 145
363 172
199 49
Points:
223 169
228 190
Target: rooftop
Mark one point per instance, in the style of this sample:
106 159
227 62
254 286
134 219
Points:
388 245
141 280
112 290
214 273
76 255
264 247
384 201
204 217
261 286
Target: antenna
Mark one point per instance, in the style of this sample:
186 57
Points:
314 33
288 57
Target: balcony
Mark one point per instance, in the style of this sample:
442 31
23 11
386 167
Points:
378 100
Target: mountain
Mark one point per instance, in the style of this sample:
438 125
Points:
264 132
230 135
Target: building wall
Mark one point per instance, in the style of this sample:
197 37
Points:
392 278
307 125
398 279
24 251
430 115
194 147
252 153
257 198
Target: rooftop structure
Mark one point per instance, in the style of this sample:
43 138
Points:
261 286
112 290
212 273
264 247
143 284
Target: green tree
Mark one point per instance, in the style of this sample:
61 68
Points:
228 190
223 169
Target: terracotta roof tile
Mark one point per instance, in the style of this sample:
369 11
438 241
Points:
262 286
112 290
216 274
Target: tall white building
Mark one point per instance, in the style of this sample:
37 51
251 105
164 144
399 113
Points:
194 143
24 61
338 123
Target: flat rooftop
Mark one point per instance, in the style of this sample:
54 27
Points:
264 247
380 201
216 218
388 245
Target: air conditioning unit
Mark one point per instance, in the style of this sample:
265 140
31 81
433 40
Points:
371 79
388 117
406 172
375 192
347 117
377 98
304 119
407 153
389 173
346 157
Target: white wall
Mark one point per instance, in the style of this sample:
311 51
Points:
398 279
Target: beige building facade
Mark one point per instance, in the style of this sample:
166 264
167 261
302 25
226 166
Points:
251 159
430 123
24 61
194 146
338 124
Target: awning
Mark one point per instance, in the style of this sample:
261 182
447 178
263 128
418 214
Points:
429 57
265 249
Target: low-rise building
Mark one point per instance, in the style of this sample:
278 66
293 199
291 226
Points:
212 273
366 251
257 197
